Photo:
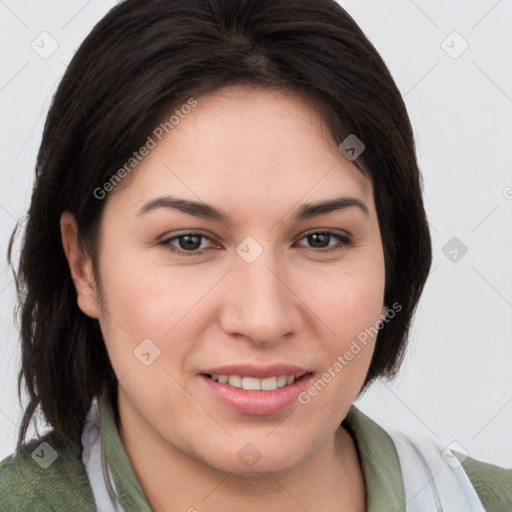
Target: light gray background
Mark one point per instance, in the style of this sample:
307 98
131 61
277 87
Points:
456 383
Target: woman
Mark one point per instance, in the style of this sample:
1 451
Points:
225 246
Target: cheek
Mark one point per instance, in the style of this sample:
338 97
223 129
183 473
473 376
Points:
148 300
349 308
347 299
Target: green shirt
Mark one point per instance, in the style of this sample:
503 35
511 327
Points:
64 485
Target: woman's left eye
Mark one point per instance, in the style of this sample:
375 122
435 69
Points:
190 243
320 237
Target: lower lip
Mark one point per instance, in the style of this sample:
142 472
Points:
257 402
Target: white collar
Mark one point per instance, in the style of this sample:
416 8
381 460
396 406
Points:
434 480
96 467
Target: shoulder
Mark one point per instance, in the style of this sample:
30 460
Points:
45 476
492 483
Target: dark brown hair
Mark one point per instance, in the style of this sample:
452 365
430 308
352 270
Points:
141 60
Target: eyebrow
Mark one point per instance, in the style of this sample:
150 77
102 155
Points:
206 211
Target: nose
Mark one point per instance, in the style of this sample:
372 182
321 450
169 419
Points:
260 303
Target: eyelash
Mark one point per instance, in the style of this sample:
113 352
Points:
345 241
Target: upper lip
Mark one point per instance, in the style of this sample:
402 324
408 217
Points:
256 371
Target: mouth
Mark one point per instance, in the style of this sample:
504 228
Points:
250 395
255 384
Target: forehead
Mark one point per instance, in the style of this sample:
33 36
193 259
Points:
248 147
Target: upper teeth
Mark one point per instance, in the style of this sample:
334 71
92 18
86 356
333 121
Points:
251 383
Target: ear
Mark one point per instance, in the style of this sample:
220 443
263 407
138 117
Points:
80 266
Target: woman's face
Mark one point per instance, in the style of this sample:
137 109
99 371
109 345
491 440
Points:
256 289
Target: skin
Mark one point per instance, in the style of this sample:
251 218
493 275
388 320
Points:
258 155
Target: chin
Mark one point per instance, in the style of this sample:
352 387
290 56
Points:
249 462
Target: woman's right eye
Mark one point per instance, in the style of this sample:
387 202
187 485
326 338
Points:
188 243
